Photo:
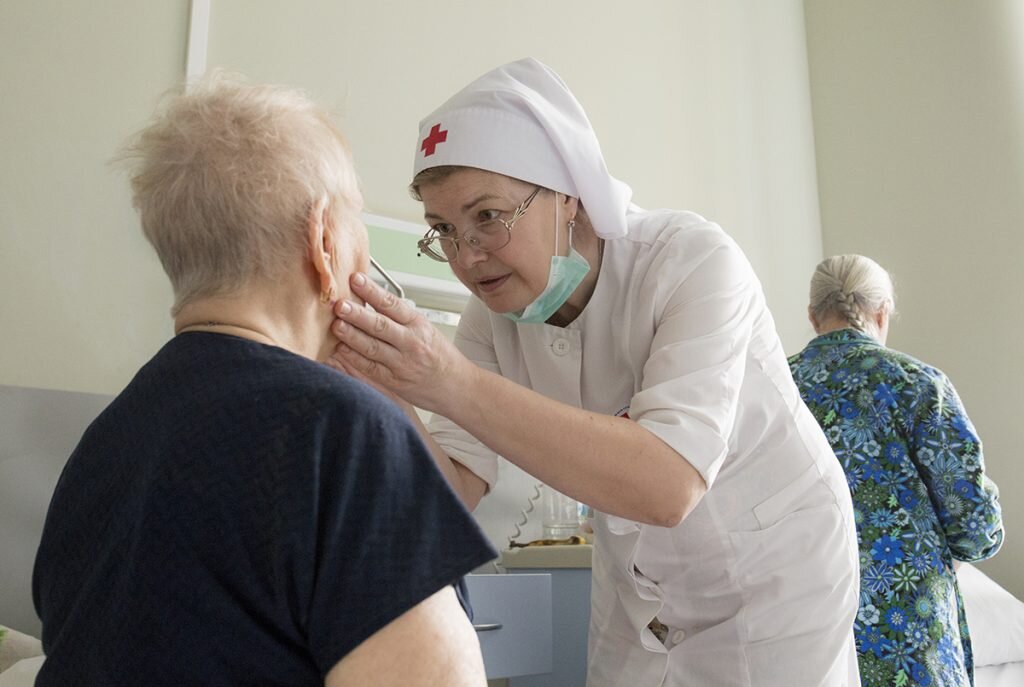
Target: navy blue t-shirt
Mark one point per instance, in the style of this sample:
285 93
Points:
240 515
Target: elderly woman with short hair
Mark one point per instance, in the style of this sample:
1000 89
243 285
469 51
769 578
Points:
914 465
242 514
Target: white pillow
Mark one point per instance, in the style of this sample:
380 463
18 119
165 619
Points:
995 618
14 646
23 673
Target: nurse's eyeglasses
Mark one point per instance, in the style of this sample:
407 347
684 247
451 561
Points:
489 235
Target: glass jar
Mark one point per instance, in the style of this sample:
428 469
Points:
560 515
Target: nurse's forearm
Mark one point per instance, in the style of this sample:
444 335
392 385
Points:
610 463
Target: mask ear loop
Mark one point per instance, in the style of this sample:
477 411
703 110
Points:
556 222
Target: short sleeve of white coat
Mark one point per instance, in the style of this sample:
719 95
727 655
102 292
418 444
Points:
707 300
473 339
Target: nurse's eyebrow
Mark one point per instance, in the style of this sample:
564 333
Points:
481 198
476 201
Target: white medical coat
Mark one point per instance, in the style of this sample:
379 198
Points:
758 585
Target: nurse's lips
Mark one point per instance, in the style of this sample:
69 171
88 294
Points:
489 285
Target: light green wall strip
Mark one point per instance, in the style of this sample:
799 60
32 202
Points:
396 251
393 244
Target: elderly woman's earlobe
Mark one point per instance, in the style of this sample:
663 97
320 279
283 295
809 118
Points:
882 318
320 244
812 319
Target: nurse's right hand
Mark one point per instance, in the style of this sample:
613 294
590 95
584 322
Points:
394 347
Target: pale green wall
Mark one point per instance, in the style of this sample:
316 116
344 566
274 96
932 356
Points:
83 301
918 111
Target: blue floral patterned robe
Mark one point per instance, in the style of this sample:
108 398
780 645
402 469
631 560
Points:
914 464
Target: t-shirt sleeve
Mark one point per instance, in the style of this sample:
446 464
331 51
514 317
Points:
692 378
390 532
473 340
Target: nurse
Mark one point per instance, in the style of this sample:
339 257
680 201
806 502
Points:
626 358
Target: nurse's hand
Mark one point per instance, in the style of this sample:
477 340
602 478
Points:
395 348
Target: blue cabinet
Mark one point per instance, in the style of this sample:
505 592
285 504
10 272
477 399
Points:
533 621
512 617
569 569
570 607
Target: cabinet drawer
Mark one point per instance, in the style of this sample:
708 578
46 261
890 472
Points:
512 615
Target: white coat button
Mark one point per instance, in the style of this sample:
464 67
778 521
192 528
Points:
560 346
678 636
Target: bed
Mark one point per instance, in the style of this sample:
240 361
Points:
996 619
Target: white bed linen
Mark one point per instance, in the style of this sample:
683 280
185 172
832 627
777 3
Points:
1006 675
23 673
996 620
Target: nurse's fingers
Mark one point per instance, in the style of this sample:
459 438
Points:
369 322
339 363
382 300
385 319
354 363
367 334
347 361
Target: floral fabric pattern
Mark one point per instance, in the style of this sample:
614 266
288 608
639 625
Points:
921 499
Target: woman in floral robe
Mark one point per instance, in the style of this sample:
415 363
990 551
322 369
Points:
914 464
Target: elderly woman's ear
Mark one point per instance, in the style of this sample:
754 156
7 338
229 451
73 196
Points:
813 320
321 241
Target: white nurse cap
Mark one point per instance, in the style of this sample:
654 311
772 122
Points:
522 121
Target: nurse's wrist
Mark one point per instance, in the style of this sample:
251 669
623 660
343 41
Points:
456 395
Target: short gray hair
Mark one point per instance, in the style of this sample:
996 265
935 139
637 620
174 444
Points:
432 175
224 179
851 287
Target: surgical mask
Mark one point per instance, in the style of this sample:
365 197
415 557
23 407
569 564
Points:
564 276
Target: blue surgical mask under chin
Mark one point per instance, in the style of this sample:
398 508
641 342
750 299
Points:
566 273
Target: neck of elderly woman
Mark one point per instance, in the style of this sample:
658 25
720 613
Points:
287 314
876 326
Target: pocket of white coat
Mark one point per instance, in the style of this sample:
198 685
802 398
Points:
798 577
807 490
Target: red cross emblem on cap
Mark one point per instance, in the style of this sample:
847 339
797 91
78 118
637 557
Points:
430 142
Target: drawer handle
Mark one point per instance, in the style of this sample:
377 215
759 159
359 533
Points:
486 627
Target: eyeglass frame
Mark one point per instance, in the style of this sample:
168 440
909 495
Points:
423 245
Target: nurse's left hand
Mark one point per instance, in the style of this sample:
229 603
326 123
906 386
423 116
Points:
394 348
